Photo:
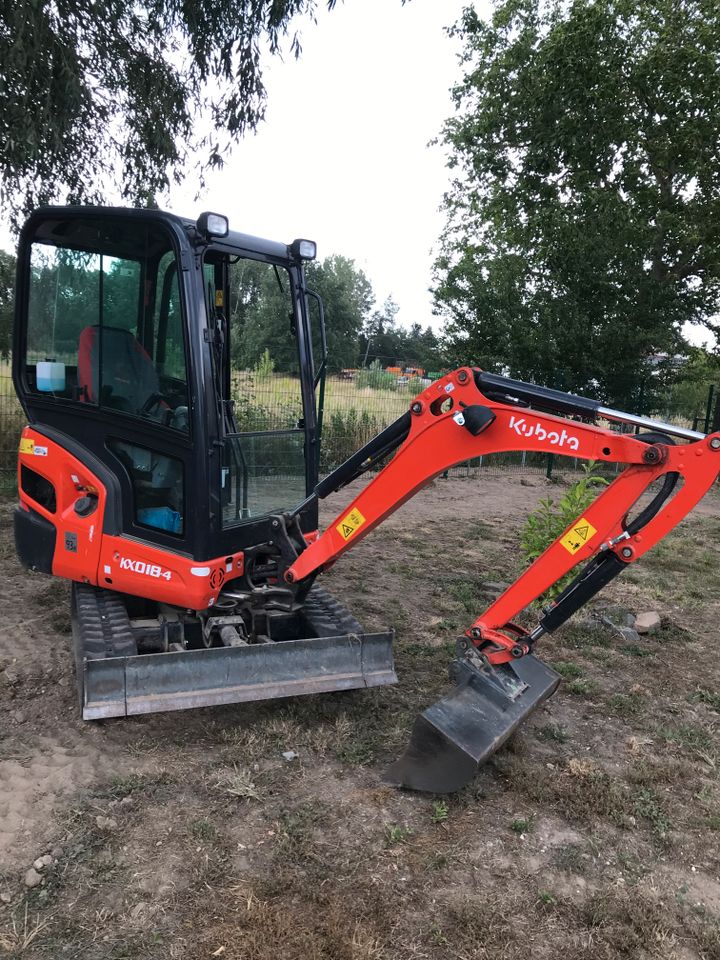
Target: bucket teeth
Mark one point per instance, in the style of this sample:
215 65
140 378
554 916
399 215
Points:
455 736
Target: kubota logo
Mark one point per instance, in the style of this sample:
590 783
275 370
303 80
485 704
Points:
533 429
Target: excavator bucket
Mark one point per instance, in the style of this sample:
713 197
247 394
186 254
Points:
455 736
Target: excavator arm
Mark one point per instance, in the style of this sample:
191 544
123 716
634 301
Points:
470 413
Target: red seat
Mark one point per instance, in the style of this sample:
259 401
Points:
129 379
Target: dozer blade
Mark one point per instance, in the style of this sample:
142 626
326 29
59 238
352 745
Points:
114 680
150 683
455 736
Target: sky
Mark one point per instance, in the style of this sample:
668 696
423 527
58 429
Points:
343 156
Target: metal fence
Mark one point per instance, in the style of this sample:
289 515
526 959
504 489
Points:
358 403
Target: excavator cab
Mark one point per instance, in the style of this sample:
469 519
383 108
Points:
152 478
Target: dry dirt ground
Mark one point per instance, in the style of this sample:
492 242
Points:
594 834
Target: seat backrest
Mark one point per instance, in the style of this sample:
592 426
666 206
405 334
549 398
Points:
129 378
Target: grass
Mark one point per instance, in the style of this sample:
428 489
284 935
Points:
634 650
571 857
203 829
567 669
239 783
296 830
649 807
522 826
582 687
708 697
279 391
394 833
554 732
626 704
22 932
692 737
440 811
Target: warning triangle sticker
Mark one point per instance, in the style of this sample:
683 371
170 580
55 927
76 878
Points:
582 532
346 530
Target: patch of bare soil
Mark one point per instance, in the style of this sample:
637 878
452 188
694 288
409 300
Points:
595 833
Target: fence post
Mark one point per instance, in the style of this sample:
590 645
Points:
550 462
709 408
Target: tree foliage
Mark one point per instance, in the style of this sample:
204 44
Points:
583 222
7 300
99 94
261 309
348 296
384 339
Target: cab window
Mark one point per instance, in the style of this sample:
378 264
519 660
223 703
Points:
104 324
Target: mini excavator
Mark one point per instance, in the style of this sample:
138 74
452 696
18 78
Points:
188 525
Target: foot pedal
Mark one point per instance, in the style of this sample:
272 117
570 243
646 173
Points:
455 736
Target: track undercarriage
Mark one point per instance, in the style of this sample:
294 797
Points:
134 656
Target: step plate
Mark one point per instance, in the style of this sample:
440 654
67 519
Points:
155 682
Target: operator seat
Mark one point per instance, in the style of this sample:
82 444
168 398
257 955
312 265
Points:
129 379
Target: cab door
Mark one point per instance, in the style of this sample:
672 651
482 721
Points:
264 371
101 359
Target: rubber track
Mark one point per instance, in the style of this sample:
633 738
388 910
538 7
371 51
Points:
103 623
327 617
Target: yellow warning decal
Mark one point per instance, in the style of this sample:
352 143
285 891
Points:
27 445
578 536
219 298
350 523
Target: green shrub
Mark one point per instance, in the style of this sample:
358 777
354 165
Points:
344 432
265 365
550 519
375 377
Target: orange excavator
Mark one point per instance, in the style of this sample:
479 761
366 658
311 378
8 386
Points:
189 527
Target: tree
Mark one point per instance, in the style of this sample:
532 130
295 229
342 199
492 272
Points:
688 395
583 222
261 309
347 296
93 94
7 300
381 337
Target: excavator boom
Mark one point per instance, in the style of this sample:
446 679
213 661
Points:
469 413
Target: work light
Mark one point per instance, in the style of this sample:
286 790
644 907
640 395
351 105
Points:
303 249
213 224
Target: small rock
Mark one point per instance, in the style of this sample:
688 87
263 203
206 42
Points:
56 853
290 755
630 619
5 897
19 716
106 823
42 862
491 586
11 676
647 622
126 802
628 634
32 878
